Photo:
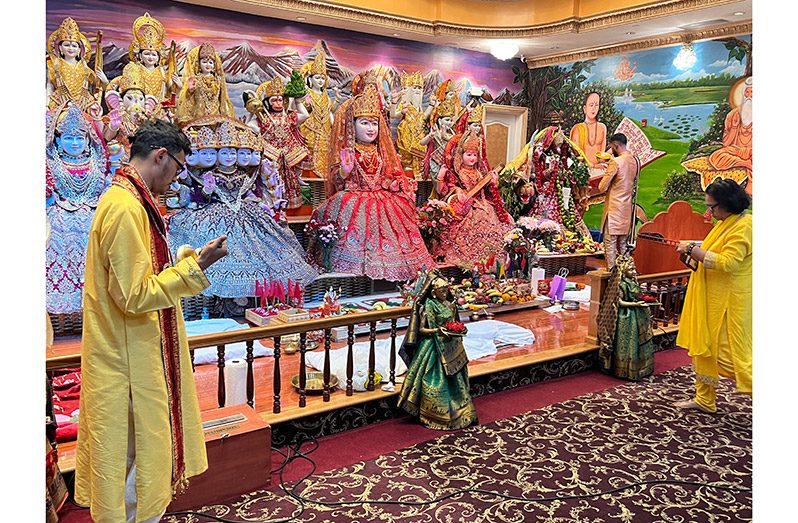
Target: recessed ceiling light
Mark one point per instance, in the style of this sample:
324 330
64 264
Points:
301 18
396 34
555 47
739 13
630 32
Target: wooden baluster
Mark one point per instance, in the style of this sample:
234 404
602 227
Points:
667 312
393 352
250 374
220 363
191 352
276 408
372 355
303 338
327 335
350 340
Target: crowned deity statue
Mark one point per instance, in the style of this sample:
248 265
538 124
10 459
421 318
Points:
445 92
204 90
279 126
77 175
372 202
410 130
471 189
226 201
150 60
441 131
69 78
317 128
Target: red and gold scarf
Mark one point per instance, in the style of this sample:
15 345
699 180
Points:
128 178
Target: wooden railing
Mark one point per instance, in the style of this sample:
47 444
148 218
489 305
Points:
668 287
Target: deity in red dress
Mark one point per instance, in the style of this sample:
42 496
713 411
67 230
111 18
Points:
284 143
374 206
481 220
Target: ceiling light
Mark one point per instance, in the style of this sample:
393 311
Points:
555 47
686 58
301 18
503 49
396 34
630 32
739 13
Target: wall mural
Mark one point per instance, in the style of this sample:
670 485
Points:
688 110
256 49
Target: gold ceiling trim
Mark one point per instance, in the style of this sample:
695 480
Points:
437 28
642 44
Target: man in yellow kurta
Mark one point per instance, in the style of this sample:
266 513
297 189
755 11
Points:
140 434
716 320
619 183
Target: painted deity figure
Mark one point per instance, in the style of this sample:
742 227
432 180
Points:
150 60
441 131
374 206
736 151
279 127
445 92
204 90
69 78
410 130
259 247
77 175
317 128
591 135
471 189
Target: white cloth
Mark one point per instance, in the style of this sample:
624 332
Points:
582 296
232 351
483 339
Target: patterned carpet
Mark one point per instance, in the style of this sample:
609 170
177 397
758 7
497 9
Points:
592 443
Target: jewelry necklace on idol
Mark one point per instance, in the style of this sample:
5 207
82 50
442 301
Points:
76 186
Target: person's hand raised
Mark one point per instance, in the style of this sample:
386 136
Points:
212 252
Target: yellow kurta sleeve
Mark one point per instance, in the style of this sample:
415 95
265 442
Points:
131 283
612 170
734 250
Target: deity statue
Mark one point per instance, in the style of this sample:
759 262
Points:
481 220
410 130
204 90
439 135
150 60
317 128
69 78
737 137
259 247
77 175
446 92
374 206
591 135
279 126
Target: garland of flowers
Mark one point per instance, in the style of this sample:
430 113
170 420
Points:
432 219
495 199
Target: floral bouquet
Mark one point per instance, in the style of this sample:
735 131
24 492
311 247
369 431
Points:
433 217
455 328
326 234
541 229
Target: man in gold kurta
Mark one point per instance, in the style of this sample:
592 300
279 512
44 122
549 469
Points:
619 183
140 434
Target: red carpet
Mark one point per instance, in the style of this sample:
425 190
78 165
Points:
369 442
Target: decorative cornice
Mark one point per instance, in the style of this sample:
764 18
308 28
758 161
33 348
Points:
570 25
639 45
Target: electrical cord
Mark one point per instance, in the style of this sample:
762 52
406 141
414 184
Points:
296 453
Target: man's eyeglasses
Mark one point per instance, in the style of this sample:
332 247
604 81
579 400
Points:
712 206
180 166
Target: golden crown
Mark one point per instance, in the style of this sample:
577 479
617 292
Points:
439 282
148 34
471 142
71 121
132 78
193 138
319 64
273 87
475 116
206 138
367 103
69 31
446 108
412 80
206 50
227 135
247 139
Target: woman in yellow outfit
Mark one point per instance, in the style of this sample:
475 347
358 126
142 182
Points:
716 321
